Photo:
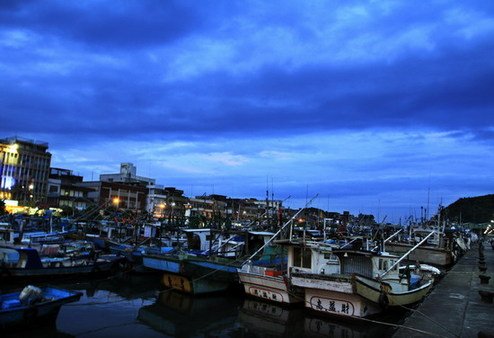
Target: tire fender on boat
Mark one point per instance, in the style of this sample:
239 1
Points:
383 300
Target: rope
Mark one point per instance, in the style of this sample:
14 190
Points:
430 319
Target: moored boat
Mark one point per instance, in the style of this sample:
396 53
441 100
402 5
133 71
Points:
19 310
353 283
207 265
269 283
26 263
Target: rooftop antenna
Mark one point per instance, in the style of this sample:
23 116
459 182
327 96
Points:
428 198
378 210
267 198
272 193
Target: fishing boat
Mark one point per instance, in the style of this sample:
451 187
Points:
441 249
210 263
27 263
270 281
353 283
33 306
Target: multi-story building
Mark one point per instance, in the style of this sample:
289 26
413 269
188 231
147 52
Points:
166 202
207 208
125 196
64 189
24 170
124 190
127 174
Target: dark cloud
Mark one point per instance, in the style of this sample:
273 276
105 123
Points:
448 89
120 25
405 94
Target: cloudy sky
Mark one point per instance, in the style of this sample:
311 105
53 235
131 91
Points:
378 106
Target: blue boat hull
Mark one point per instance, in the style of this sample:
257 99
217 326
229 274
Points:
45 312
165 263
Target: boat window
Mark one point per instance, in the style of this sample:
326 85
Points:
380 264
385 264
302 257
330 256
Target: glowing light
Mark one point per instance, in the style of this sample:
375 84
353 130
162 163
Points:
116 201
13 148
7 182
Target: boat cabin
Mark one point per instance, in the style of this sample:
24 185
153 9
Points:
198 239
26 258
6 236
320 258
316 258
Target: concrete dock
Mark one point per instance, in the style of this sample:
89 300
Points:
454 308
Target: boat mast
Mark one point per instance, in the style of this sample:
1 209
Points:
406 254
280 230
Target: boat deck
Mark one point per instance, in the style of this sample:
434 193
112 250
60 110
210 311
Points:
454 308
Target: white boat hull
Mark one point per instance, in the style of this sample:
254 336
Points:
340 304
275 289
371 290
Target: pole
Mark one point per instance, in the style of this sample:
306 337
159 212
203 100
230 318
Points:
393 235
280 230
407 253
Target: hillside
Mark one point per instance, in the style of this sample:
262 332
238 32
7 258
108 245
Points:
478 209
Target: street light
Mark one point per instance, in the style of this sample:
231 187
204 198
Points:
116 201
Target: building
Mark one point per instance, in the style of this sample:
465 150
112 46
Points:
127 174
24 170
166 202
125 196
64 190
124 190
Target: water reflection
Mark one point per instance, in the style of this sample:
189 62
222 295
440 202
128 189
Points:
134 306
44 332
261 319
183 315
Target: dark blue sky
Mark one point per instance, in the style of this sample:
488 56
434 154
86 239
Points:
378 106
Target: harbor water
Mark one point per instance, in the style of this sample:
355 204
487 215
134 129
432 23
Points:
137 306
